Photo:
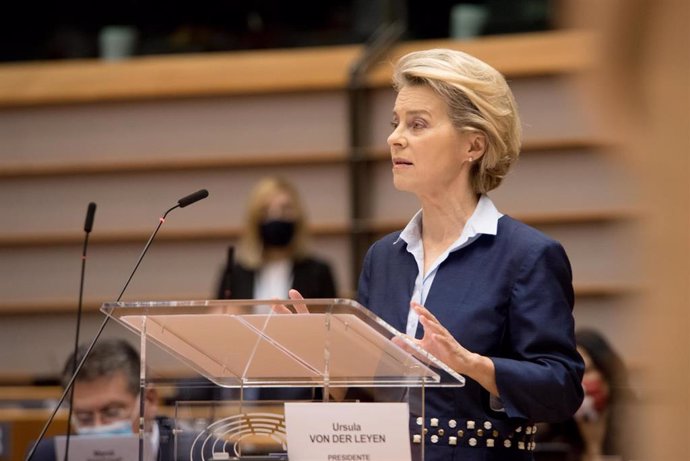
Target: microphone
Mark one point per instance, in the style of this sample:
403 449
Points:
227 277
90 212
88 225
192 198
183 202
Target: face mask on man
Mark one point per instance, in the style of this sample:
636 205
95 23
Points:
123 427
277 233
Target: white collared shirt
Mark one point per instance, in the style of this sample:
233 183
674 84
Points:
484 220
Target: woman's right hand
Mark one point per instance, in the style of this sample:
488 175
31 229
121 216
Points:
299 307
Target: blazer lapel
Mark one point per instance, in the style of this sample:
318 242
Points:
406 274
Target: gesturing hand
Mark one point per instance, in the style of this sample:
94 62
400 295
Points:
300 308
439 342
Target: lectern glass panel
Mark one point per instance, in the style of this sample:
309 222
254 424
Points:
248 343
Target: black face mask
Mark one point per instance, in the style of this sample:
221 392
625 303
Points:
277 233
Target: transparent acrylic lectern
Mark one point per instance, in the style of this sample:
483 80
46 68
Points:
240 346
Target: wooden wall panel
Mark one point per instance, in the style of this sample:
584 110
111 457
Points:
613 315
133 202
172 129
170 270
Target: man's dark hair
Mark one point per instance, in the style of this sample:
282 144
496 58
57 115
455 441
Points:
107 357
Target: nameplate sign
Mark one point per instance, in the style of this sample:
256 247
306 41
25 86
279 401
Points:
347 431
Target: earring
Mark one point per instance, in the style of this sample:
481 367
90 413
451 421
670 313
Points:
471 159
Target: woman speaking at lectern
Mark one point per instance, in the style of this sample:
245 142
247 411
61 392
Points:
486 294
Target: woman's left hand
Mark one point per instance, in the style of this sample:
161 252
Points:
439 342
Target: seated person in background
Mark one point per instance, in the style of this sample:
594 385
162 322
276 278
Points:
272 257
106 401
272 254
596 432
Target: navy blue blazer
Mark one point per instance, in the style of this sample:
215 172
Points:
507 296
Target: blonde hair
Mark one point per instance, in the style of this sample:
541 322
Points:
250 247
478 99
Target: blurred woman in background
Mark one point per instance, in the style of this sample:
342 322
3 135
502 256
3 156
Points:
598 429
272 254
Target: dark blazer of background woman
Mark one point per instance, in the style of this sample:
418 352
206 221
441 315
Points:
311 277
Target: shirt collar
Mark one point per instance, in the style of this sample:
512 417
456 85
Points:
484 220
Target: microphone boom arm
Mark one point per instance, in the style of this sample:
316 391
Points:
69 385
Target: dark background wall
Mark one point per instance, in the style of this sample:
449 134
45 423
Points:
70 29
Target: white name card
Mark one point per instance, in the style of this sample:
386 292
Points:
347 431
